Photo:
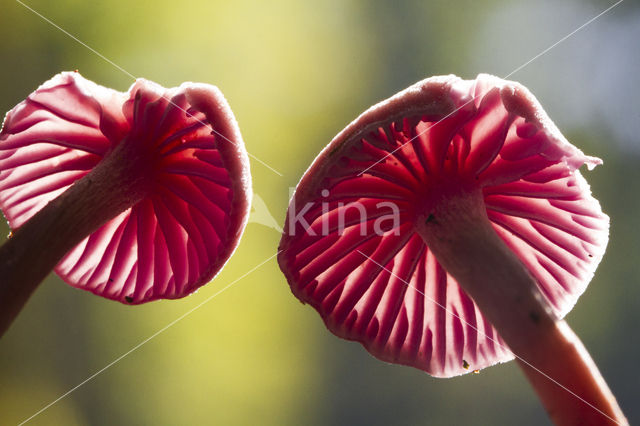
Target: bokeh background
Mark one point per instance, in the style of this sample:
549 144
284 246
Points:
295 73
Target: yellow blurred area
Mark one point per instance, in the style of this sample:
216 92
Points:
16 396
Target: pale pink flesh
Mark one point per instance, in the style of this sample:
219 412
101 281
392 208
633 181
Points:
190 213
477 170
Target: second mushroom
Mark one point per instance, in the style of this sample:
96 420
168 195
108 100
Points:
448 228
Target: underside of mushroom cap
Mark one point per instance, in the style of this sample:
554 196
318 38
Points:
182 232
351 246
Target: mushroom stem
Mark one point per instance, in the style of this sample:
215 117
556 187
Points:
457 230
34 249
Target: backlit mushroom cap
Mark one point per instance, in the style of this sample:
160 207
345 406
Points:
182 232
351 249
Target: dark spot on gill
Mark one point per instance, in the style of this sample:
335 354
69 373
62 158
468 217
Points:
465 364
129 299
335 149
535 317
430 219
110 280
590 255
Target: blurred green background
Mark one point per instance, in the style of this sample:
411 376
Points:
295 73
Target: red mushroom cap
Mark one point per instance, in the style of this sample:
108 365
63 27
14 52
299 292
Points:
182 232
351 249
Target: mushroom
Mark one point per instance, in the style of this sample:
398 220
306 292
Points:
448 228
134 196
